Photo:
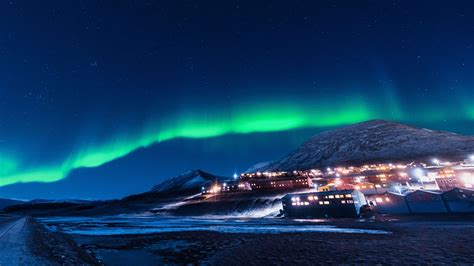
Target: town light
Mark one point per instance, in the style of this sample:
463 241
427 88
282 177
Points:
467 179
471 158
436 161
418 173
236 175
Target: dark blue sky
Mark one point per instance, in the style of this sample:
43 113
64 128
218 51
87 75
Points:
115 86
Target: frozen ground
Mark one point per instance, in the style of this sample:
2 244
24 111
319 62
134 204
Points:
146 224
157 240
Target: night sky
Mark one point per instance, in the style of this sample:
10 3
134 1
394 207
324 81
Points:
100 99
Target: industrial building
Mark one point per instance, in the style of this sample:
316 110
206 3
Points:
459 200
328 204
423 202
389 203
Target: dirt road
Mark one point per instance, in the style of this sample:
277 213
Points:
14 243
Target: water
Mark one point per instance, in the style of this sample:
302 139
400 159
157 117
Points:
146 224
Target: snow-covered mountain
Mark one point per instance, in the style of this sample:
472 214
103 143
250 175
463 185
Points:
190 180
373 141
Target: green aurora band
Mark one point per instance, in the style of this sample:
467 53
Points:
251 118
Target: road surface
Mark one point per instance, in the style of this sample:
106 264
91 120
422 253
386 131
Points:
14 243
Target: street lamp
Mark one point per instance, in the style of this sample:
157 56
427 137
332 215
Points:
418 172
436 161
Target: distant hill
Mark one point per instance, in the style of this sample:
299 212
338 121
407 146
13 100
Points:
191 180
373 141
8 202
76 201
186 184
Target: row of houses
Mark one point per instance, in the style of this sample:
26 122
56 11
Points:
350 203
456 200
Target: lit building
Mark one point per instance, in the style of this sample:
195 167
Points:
329 204
389 203
280 183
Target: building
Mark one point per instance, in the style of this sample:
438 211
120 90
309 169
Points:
226 186
389 203
328 204
423 201
445 178
370 188
459 200
280 183
335 187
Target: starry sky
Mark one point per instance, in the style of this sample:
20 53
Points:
101 99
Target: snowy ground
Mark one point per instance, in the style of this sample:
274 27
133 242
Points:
158 240
146 224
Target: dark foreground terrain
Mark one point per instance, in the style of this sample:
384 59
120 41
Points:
25 242
431 240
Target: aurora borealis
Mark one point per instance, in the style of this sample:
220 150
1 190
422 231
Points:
82 87
251 120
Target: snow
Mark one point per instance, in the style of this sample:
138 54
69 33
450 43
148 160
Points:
257 166
150 225
189 180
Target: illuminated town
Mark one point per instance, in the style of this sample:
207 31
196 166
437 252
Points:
388 188
369 179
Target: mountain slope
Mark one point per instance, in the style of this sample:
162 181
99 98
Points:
190 180
373 141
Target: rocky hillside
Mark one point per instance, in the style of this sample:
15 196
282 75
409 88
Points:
373 141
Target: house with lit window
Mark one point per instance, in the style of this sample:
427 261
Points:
335 187
370 188
327 204
459 200
280 183
424 201
389 203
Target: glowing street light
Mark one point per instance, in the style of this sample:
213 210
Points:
436 161
471 158
418 173
468 179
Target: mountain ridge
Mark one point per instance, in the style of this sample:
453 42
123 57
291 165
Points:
372 141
